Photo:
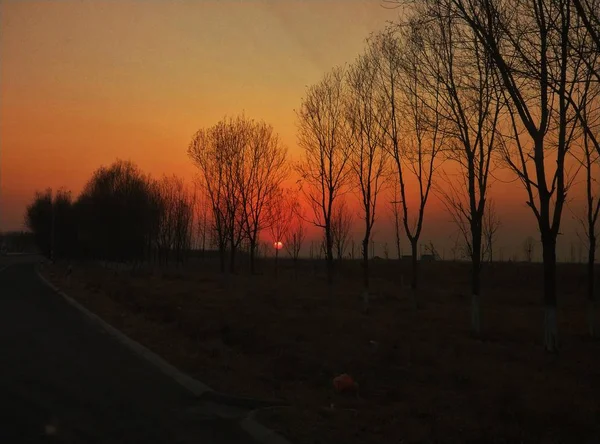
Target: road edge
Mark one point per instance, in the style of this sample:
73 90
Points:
192 385
249 424
259 432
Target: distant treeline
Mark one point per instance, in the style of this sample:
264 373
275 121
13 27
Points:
17 242
121 215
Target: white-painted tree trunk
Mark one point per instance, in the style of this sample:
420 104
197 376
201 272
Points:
550 329
475 315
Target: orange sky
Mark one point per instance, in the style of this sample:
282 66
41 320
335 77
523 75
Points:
85 82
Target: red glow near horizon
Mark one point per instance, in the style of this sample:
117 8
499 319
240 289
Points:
278 245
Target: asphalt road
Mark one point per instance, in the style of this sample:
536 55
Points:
64 380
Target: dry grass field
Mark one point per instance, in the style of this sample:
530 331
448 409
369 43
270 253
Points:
421 376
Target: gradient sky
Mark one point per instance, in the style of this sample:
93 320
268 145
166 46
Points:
85 82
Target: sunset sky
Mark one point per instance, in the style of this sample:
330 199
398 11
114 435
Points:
85 82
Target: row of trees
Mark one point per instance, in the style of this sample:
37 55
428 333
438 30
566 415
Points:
475 84
121 215
242 165
480 84
536 77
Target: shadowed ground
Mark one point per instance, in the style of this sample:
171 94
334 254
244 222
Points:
422 377
64 380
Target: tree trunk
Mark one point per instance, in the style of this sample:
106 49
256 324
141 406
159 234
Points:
550 323
592 302
397 233
329 256
329 260
415 273
252 256
366 273
222 258
276 262
231 254
295 268
476 282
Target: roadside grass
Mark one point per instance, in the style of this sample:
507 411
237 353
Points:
421 376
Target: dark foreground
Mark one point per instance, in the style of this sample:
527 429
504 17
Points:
422 376
64 380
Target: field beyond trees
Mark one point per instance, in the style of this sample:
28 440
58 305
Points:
421 375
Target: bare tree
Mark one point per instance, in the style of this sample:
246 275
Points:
588 12
214 151
241 162
456 246
341 223
592 163
528 42
166 230
232 136
386 251
324 166
589 158
175 217
491 225
528 248
368 155
263 169
183 209
280 212
411 125
296 234
394 205
458 70
202 223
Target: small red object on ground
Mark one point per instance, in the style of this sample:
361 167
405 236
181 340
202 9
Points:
344 383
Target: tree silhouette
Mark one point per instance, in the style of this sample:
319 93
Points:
117 214
528 43
52 221
341 224
322 134
263 170
241 163
280 212
368 154
491 225
296 235
457 68
175 219
528 248
412 125
587 97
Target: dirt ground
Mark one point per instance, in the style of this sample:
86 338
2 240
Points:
421 376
